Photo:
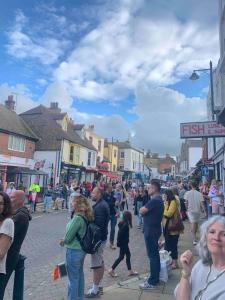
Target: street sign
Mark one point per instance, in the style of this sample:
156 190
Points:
205 171
201 130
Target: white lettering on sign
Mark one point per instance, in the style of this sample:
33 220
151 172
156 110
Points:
201 130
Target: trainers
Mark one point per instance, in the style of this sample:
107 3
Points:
146 286
195 243
101 290
90 294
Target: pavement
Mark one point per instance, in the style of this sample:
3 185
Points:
43 253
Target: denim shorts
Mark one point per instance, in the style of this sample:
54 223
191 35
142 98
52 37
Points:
97 259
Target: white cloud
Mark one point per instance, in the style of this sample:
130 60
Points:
23 44
21 95
160 111
129 47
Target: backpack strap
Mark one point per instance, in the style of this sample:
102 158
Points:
86 222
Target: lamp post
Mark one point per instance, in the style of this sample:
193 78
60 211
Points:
195 76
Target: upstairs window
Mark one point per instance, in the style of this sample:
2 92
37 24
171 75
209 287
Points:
99 145
122 155
16 143
115 153
89 159
71 153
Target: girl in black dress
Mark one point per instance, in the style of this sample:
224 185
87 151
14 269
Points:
123 244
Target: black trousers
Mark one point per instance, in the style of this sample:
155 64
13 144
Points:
171 242
123 251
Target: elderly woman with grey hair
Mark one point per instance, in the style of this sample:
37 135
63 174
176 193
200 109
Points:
206 280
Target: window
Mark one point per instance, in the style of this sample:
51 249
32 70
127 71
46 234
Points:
114 168
16 143
115 153
89 158
99 145
91 139
71 152
122 155
77 154
121 167
98 158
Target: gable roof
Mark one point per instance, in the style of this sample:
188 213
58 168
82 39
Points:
10 122
127 145
78 126
43 122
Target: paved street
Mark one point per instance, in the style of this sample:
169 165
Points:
42 251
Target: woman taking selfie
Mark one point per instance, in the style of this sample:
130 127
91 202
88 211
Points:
205 281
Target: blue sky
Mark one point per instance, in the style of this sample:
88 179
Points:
122 65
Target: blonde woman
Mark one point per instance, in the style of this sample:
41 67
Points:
74 253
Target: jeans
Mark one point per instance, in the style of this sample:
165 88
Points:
75 263
113 222
47 202
171 242
139 216
123 251
151 243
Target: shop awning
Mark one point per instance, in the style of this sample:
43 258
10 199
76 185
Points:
108 174
26 171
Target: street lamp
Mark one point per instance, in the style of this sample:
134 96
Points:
195 76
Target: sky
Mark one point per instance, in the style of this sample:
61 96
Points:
121 65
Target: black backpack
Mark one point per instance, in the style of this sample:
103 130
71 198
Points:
91 241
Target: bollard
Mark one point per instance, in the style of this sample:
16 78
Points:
18 287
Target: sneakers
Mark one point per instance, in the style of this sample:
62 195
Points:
113 247
146 286
101 290
195 243
91 294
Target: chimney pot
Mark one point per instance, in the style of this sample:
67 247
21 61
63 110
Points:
10 103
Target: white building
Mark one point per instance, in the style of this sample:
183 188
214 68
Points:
191 153
96 140
130 159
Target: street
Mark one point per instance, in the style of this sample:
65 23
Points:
43 252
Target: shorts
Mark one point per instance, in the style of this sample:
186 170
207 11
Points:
194 217
97 260
215 208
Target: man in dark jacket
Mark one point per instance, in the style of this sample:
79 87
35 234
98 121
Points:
110 198
101 219
21 218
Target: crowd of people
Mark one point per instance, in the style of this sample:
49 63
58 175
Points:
160 215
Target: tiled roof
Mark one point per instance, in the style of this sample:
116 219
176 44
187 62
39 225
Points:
10 122
43 122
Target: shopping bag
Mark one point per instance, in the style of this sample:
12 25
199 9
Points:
59 271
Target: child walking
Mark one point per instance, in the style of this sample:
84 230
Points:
122 243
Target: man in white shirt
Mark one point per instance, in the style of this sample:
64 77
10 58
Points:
195 205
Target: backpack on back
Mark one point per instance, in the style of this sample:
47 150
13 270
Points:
91 240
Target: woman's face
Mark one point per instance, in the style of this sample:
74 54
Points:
1 204
164 196
216 239
74 205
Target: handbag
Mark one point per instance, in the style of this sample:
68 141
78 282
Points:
175 223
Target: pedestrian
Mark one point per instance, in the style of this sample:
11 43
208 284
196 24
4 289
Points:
206 279
21 219
56 196
171 210
152 214
11 188
214 197
109 197
34 191
48 198
221 197
195 206
101 219
74 254
140 200
119 195
64 194
204 189
123 244
6 235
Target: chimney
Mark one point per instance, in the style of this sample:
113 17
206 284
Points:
92 127
10 103
54 107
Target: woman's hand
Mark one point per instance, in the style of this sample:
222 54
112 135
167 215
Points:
61 243
187 260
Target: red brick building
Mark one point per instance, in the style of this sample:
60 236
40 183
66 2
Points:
17 145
